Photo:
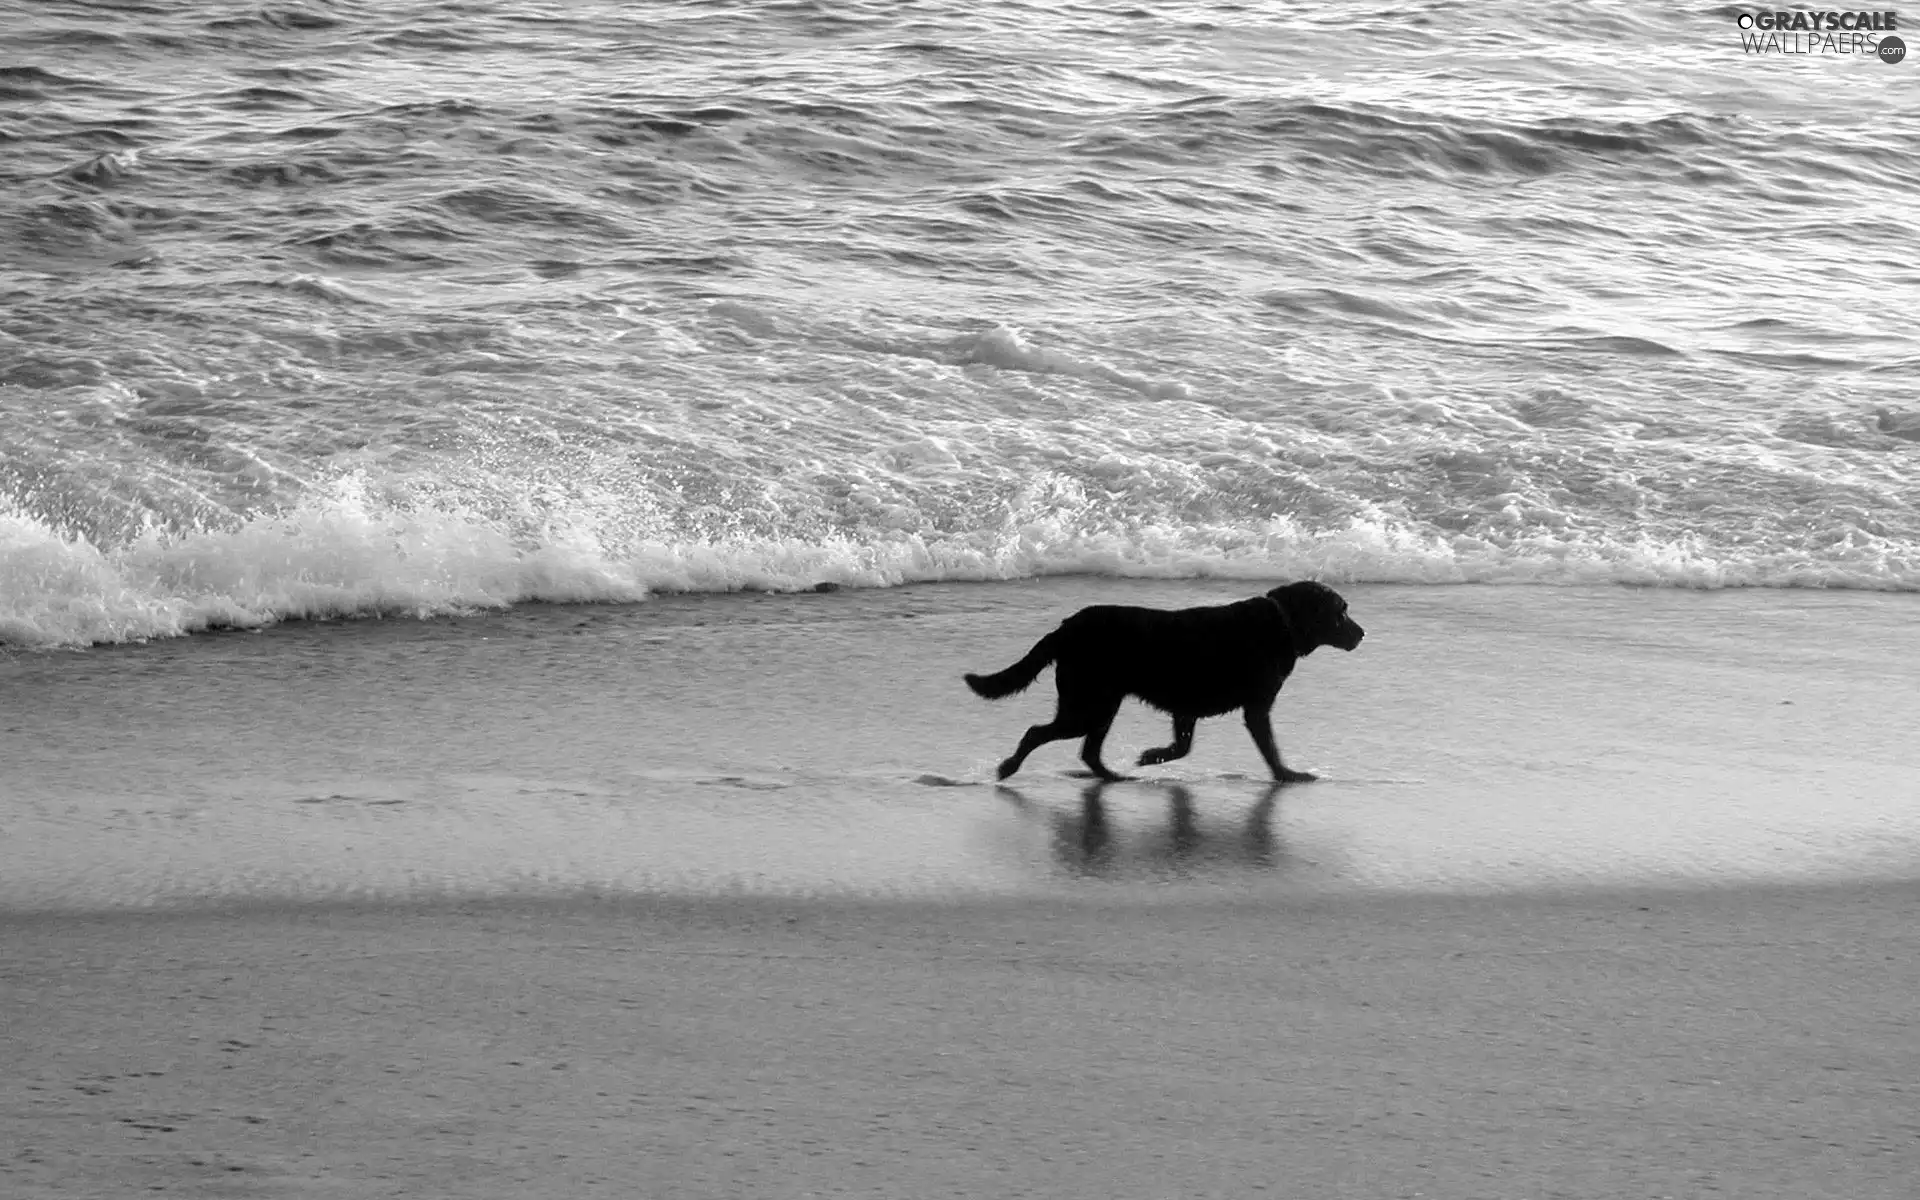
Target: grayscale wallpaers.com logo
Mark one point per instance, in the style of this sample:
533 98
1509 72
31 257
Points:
1802 32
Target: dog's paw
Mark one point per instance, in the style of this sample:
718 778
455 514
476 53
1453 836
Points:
1150 758
1291 776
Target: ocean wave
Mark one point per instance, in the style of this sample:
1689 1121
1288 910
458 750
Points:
1386 139
1001 347
1007 349
347 553
977 293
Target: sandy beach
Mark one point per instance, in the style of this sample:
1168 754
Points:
554 928
1740 1042
498 502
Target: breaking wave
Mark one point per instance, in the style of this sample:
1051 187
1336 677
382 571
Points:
345 553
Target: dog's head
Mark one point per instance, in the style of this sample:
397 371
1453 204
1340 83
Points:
1318 616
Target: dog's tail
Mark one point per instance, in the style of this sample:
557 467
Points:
1016 677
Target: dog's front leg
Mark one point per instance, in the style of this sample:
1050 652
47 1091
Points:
1100 721
1260 725
1182 744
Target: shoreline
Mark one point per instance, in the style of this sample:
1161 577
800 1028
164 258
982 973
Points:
1170 896
1501 738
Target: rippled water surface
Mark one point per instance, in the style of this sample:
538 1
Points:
340 308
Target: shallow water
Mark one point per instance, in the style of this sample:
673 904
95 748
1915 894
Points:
1479 740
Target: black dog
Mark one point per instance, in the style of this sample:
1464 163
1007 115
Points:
1189 663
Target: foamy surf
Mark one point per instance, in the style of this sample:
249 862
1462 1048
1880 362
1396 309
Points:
346 553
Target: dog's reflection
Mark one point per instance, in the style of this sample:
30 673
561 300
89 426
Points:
1087 843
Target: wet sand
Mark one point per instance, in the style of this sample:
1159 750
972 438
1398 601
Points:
1481 739
1748 1042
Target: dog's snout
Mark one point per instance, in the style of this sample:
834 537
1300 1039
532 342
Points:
1354 634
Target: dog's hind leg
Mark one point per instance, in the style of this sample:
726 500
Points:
1181 747
1260 725
1098 721
1039 735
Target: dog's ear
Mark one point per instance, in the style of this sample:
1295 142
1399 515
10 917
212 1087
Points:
1286 604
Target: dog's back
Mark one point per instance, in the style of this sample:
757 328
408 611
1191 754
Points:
1191 661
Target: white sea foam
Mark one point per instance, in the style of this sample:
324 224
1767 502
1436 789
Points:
338 555
345 553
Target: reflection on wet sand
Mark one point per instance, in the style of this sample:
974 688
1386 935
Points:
1090 841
